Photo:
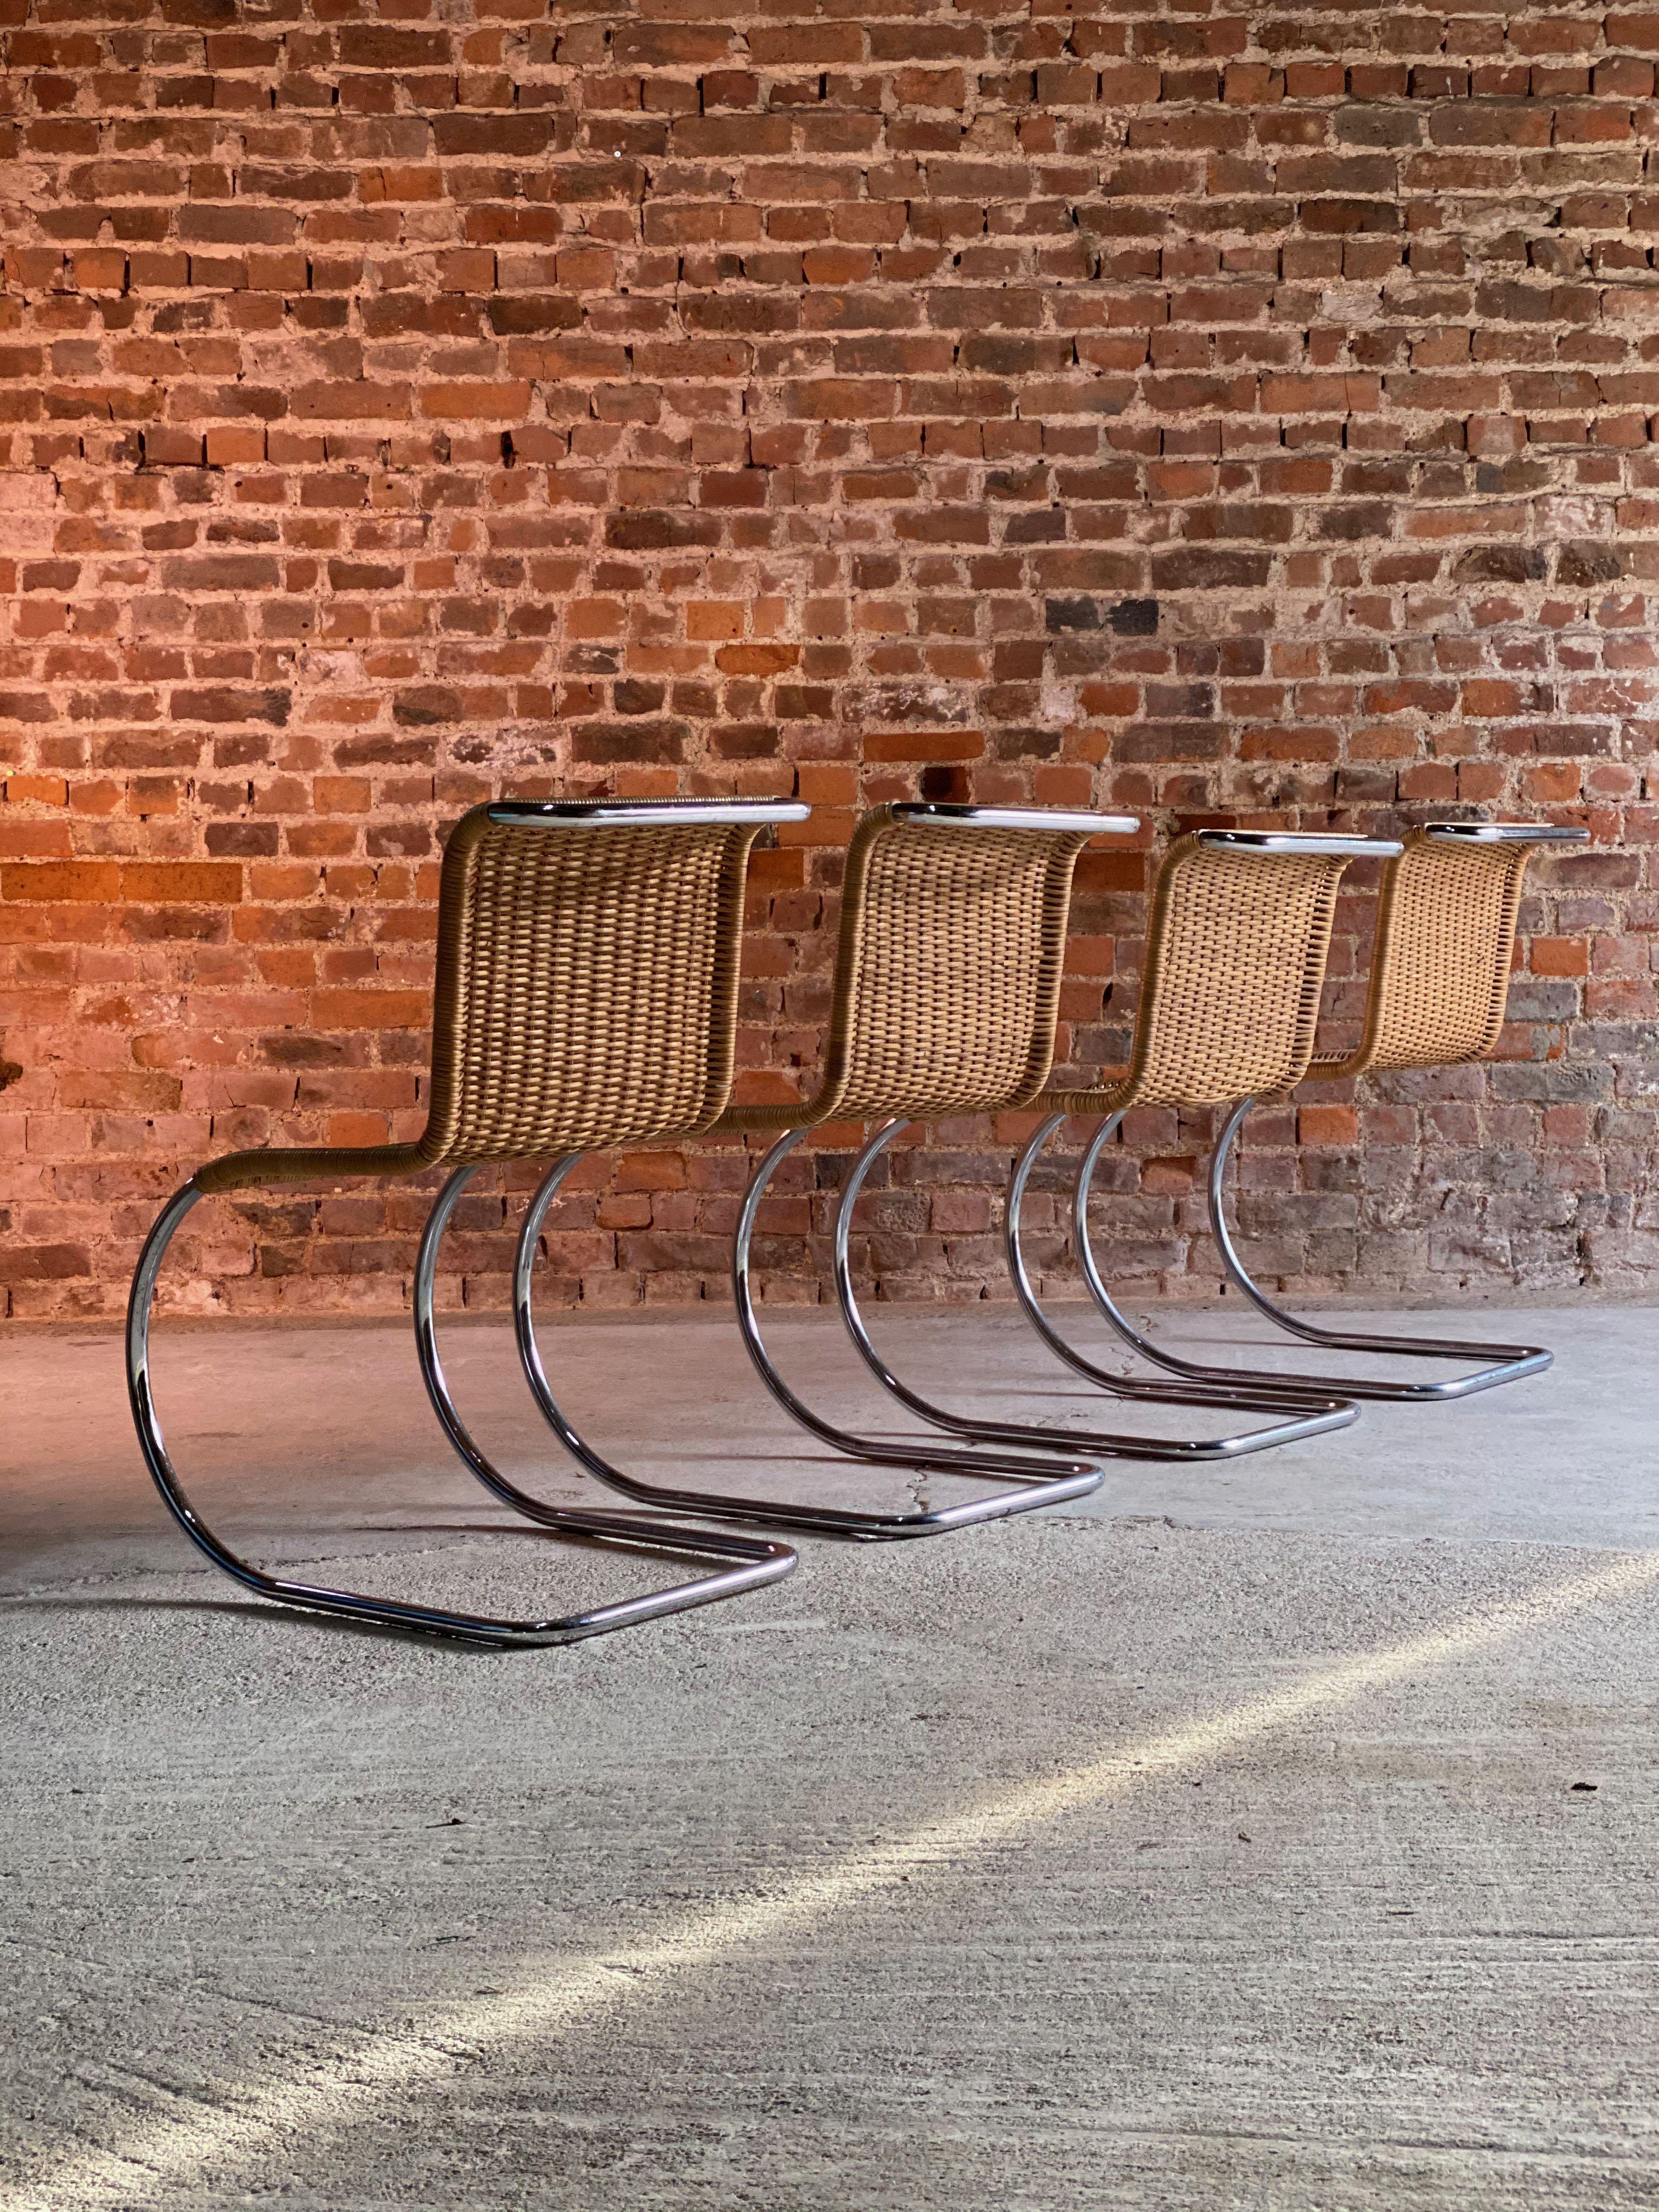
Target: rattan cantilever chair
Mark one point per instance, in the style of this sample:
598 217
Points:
1236 951
945 1002
586 996
1439 986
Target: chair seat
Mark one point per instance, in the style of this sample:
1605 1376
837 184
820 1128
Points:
317 1164
1103 1097
768 1113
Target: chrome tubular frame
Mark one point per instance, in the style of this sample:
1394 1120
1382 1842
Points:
1048 1481
643 814
951 814
748 1562
1507 833
1335 844
1514 1360
1502 1362
1285 1387
1298 1412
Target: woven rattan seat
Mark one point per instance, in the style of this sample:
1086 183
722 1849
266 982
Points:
586 996
1445 940
948 969
1236 950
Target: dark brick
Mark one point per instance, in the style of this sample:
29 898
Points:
427 705
222 703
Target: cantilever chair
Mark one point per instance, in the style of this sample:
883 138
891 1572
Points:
945 1002
586 996
1236 951
1438 989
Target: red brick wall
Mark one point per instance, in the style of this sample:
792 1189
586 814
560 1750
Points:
1228 412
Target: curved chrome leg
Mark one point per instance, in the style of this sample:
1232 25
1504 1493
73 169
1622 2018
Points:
758 1562
1285 1389
1296 1414
1048 1481
1507 1362
1523 1361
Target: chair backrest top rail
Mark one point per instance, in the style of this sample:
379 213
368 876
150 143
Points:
952 815
643 813
1308 843
1507 833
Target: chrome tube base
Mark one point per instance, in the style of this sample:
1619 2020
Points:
1050 1481
1500 1363
1514 1360
1294 1414
748 1563
1286 1390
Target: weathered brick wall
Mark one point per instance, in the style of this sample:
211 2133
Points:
1230 412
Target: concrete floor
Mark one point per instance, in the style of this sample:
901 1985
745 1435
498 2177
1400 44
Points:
1216 1842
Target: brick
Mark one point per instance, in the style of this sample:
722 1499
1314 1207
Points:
229 448
480 402
182 882
71 882
1558 956
1327 1125
924 745
372 1010
225 703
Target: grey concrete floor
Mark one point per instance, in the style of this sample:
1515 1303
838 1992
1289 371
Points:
1216 1842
